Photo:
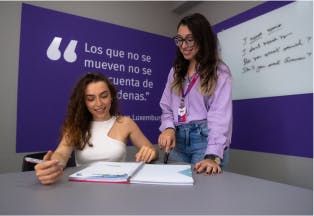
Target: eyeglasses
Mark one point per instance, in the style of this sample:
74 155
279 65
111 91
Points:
189 40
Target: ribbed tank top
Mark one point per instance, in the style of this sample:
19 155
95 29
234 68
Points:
104 148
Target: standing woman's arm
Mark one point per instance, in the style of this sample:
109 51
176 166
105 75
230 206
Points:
219 119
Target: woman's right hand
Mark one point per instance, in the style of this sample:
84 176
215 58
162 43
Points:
49 171
167 139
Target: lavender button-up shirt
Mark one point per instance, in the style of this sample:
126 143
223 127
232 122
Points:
216 109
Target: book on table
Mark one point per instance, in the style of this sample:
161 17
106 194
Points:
135 172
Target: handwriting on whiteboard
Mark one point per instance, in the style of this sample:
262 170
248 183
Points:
273 47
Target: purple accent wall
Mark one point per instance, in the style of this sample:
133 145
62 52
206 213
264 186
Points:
249 14
44 85
280 125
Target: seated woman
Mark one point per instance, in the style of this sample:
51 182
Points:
94 128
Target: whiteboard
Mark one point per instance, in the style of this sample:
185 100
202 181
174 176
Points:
271 55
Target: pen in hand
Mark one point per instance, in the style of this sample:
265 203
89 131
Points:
166 156
37 161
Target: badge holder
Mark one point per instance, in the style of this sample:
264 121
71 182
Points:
182 112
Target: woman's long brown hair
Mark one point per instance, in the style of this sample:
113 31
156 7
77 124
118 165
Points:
207 57
77 123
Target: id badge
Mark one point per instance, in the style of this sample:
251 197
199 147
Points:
182 114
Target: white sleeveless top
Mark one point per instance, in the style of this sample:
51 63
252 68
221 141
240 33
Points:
104 148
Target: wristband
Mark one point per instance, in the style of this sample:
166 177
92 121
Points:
214 158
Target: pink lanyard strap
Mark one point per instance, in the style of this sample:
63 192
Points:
193 81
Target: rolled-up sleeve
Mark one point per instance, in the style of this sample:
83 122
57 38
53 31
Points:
166 105
219 116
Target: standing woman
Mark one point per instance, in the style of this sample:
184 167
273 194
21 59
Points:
196 120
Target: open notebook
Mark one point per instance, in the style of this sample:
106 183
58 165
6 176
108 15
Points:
165 174
135 172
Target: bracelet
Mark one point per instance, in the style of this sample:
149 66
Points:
213 158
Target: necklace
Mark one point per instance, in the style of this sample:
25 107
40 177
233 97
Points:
196 71
189 78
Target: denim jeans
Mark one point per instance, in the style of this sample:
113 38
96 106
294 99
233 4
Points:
191 143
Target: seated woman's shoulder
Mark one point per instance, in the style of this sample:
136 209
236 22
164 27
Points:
125 123
125 120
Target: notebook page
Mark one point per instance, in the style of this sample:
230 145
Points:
107 171
164 174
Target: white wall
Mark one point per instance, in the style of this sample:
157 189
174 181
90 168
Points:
154 17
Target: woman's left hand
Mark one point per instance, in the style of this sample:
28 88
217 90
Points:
146 154
207 166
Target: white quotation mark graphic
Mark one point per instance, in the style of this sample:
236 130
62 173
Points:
54 53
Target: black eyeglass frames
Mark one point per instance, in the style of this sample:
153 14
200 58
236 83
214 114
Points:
188 40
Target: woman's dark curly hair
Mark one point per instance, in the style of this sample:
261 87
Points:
77 123
207 57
